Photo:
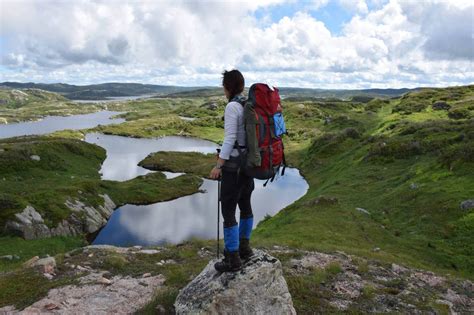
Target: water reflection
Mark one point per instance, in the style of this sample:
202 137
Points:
194 216
123 153
55 123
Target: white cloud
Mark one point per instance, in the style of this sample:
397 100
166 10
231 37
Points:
358 6
317 4
400 43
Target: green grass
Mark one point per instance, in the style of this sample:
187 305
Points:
24 287
373 168
307 291
66 167
26 249
183 162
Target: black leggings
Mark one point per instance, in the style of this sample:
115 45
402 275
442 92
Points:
236 188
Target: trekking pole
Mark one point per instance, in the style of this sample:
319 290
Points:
218 213
218 210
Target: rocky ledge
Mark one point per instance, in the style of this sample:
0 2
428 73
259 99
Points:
259 288
96 295
84 219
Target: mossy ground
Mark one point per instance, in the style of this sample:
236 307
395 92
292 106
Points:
183 162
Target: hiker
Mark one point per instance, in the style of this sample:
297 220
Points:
236 187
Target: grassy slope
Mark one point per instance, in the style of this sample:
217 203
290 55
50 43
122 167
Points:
372 166
32 104
69 169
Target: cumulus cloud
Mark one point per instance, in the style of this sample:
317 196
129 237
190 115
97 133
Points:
397 43
447 28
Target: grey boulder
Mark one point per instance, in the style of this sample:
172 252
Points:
467 204
259 288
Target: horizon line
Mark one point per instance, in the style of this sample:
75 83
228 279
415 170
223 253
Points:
215 86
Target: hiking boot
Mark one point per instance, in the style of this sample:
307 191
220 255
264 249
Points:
245 251
231 262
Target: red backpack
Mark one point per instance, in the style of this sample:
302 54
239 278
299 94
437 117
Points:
264 127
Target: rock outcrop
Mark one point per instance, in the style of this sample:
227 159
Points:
114 296
467 204
440 105
259 288
29 224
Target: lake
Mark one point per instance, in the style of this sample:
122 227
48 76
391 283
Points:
55 123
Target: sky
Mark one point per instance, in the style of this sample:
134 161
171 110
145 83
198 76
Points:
338 44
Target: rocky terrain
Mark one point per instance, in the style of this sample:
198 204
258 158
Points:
107 279
84 219
339 282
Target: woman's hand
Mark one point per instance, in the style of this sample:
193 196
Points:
215 173
217 170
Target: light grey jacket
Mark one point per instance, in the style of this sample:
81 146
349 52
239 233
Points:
233 130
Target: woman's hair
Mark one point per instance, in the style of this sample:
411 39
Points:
233 81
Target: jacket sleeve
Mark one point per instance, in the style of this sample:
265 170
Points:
230 130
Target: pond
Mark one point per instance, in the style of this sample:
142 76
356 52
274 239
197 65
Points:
55 123
186 217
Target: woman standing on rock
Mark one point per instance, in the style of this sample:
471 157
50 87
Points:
236 187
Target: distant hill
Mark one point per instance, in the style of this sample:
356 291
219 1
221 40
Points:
303 93
15 98
106 90
287 92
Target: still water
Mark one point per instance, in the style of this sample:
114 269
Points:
55 123
186 217
124 153
195 215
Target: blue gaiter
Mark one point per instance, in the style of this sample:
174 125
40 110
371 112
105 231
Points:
245 227
231 238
